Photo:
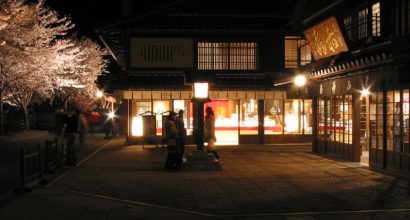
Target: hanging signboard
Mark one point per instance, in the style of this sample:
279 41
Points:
325 39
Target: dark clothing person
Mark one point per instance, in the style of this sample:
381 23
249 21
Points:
210 132
171 140
83 128
108 128
181 135
70 132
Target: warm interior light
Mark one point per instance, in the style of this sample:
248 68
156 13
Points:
291 123
136 126
300 80
365 92
99 94
252 105
201 90
159 107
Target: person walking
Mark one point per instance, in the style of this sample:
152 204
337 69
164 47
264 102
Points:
70 132
181 135
83 128
210 132
171 140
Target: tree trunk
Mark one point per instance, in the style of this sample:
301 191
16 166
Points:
26 119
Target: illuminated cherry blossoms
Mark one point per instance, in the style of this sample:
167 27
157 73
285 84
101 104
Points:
38 57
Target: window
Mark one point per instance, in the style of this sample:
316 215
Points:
363 23
376 19
321 116
292 116
376 120
348 26
249 117
227 55
291 52
393 121
360 24
347 117
406 118
335 118
273 121
305 52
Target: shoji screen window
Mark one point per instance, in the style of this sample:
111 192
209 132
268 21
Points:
227 55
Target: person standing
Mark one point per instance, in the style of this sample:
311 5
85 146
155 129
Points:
181 135
71 134
171 140
210 132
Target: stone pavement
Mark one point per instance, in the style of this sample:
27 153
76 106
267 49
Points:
256 182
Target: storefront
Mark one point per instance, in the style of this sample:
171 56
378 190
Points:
242 117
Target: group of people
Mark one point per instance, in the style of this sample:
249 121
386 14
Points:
175 133
71 126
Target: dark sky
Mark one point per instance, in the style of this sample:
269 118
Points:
87 13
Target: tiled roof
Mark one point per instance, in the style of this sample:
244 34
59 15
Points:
205 22
149 80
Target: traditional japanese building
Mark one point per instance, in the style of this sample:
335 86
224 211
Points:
358 79
238 49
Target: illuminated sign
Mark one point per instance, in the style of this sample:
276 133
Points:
325 39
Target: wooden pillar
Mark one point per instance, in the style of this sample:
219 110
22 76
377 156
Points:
129 121
314 126
261 126
356 127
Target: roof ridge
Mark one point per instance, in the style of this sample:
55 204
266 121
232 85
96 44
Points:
154 10
228 15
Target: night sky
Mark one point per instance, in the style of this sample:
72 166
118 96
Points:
87 13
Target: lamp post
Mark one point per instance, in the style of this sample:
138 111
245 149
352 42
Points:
200 97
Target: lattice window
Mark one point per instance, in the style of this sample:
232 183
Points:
363 14
291 52
227 55
376 19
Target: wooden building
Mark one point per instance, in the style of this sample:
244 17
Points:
358 79
239 50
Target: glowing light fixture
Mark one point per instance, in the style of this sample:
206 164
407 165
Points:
365 92
300 80
111 115
99 94
201 90
136 126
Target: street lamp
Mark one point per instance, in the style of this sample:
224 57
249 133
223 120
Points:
300 80
200 97
99 94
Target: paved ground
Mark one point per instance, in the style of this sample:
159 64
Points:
257 182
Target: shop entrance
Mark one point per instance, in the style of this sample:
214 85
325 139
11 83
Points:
226 121
364 129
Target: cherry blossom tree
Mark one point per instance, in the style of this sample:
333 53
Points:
38 58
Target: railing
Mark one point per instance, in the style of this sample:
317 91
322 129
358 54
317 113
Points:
51 157
33 163
31 171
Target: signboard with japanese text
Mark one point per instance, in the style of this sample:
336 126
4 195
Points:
161 52
325 39
149 126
